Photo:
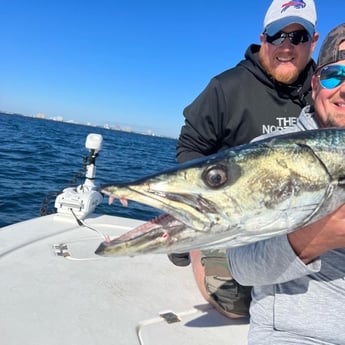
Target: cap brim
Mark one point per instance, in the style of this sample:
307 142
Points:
278 25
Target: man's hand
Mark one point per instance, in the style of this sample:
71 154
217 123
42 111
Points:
317 238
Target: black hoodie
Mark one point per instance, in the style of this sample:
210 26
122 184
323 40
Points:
239 105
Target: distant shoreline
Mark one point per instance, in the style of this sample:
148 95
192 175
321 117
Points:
106 127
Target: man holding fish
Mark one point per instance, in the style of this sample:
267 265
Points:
263 93
298 279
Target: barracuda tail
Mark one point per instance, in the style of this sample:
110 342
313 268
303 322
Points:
242 195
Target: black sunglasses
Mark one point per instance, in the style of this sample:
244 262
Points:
295 37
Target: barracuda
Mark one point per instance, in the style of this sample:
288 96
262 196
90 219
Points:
242 195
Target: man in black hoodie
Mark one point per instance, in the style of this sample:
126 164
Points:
265 92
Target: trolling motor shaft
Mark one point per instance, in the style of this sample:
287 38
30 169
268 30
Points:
83 200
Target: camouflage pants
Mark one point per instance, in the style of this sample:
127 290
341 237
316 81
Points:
228 294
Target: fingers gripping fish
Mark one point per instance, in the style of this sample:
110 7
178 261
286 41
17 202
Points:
242 195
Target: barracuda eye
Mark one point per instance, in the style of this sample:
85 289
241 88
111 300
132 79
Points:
215 176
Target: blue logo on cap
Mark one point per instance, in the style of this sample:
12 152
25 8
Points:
295 4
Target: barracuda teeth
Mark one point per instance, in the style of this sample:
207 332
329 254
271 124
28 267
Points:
123 201
161 218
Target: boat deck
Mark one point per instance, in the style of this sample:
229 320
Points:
55 290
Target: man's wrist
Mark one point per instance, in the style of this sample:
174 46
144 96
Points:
305 243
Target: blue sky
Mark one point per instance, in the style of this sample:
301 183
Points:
128 63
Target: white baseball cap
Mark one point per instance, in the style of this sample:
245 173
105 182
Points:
282 13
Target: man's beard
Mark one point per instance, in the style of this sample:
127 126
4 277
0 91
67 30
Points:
280 76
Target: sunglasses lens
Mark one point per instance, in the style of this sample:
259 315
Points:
276 39
332 76
295 37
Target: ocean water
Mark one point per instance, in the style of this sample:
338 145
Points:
39 158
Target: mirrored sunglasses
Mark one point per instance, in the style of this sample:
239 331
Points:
295 37
332 76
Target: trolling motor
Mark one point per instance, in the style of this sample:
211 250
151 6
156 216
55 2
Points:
93 144
82 201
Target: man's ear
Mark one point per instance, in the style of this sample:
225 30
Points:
315 84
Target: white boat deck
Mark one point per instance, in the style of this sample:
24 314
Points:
78 298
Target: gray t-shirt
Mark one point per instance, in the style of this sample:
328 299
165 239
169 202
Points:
292 303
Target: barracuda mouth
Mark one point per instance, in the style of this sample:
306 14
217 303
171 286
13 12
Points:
187 215
188 208
163 230
195 201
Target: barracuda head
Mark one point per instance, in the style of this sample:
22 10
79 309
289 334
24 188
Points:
239 196
191 193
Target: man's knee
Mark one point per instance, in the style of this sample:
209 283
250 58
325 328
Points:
211 270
